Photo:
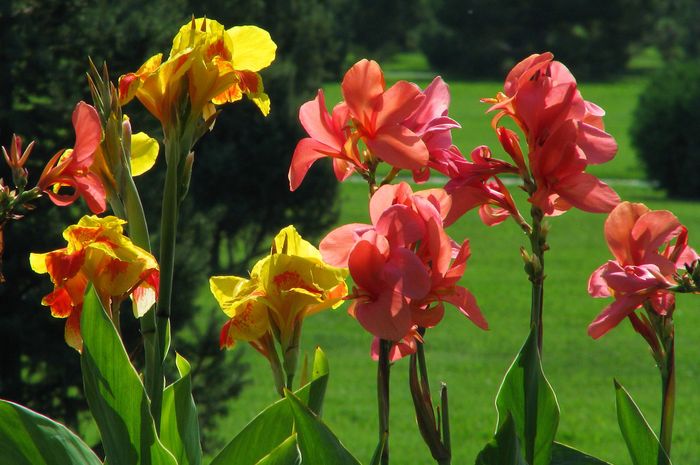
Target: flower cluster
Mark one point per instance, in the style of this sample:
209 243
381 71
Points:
209 63
402 126
404 265
564 134
97 253
644 267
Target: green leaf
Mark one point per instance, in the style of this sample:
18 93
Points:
528 397
179 427
316 442
377 456
275 424
286 453
504 448
115 393
28 438
642 443
319 381
565 455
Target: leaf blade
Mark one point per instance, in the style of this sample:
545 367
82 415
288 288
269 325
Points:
115 394
29 438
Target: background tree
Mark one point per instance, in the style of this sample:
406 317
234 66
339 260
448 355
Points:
484 38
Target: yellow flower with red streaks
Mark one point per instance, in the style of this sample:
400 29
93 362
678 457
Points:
97 252
212 64
284 287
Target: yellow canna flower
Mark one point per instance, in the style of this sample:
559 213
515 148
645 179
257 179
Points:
212 64
97 252
284 287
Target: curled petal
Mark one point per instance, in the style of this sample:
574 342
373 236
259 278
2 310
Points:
613 314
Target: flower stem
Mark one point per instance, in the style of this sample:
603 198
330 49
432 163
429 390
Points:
168 234
138 232
383 372
668 392
536 271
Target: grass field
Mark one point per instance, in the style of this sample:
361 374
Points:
472 362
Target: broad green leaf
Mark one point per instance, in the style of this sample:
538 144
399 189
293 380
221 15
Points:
286 453
28 438
179 427
273 425
565 455
317 443
529 398
642 443
115 393
504 448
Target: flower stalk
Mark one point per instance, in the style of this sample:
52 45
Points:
383 373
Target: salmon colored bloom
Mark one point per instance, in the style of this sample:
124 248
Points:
97 253
212 64
644 266
564 134
71 168
284 287
404 265
403 126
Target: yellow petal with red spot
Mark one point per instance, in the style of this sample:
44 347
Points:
144 152
239 298
253 48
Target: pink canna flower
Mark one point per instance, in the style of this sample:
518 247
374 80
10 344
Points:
564 134
644 266
71 168
404 265
404 126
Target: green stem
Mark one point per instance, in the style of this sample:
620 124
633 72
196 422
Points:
383 372
668 398
538 244
138 232
446 440
168 234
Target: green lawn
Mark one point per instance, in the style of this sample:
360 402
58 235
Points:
472 362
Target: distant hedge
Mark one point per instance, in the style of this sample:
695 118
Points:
484 38
666 129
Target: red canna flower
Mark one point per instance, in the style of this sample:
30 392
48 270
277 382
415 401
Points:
71 168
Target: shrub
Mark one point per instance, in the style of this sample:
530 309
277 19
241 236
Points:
665 131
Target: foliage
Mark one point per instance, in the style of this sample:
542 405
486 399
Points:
676 28
480 38
661 135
